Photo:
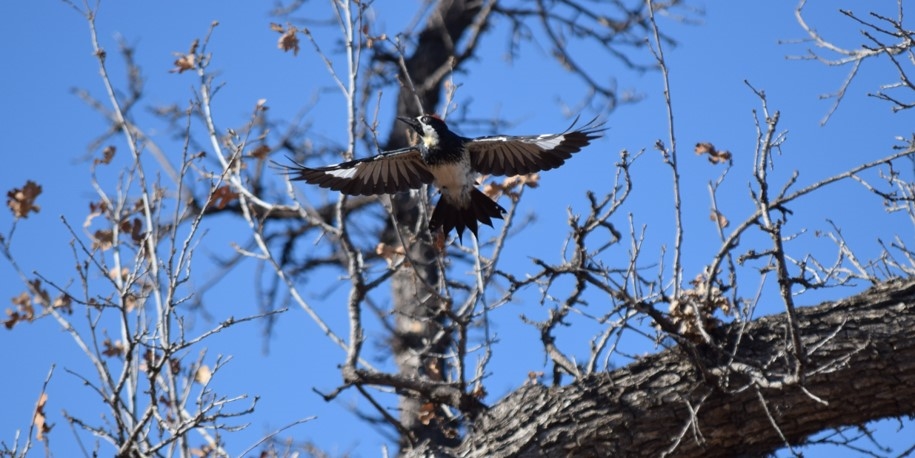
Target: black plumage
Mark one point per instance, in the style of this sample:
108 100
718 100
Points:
450 162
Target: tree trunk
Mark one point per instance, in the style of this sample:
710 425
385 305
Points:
861 366
418 312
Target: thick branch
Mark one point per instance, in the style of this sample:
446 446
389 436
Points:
862 364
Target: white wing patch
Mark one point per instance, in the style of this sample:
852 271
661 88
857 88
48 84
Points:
342 173
549 141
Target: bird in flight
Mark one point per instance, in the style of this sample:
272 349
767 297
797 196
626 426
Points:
450 162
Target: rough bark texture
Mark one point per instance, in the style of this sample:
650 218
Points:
861 362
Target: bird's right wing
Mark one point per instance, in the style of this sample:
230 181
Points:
387 173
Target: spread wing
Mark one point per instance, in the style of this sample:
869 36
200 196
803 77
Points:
507 155
386 173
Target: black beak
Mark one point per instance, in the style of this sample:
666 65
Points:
412 123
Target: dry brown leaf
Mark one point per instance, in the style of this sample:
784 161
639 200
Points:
95 209
149 360
203 374
14 317
22 201
288 40
186 61
508 186
391 254
683 309
113 273
107 155
23 311
433 370
426 413
63 302
130 302
531 180
719 219
41 296
439 239
704 148
223 195
112 349
207 450
40 420
533 378
133 227
492 190
102 239
260 152
23 299
175 365
715 156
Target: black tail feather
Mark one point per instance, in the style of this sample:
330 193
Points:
448 215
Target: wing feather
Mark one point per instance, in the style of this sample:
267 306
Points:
506 155
386 173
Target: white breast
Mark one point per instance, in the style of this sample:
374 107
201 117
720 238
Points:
454 180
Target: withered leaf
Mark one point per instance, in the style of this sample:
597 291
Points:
704 148
492 190
95 209
22 300
508 186
715 156
22 200
41 297
102 239
114 273
175 365
260 152
391 254
438 241
40 420
426 413
63 302
130 302
23 312
223 195
533 378
133 227
112 349
186 61
107 155
719 219
288 40
203 374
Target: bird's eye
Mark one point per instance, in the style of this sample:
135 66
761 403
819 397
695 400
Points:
426 119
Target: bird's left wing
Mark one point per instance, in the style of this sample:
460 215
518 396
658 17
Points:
508 155
386 173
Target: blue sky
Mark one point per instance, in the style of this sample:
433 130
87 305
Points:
47 129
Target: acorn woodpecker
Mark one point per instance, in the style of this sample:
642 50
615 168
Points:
450 162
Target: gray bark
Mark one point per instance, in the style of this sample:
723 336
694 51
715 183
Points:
689 401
